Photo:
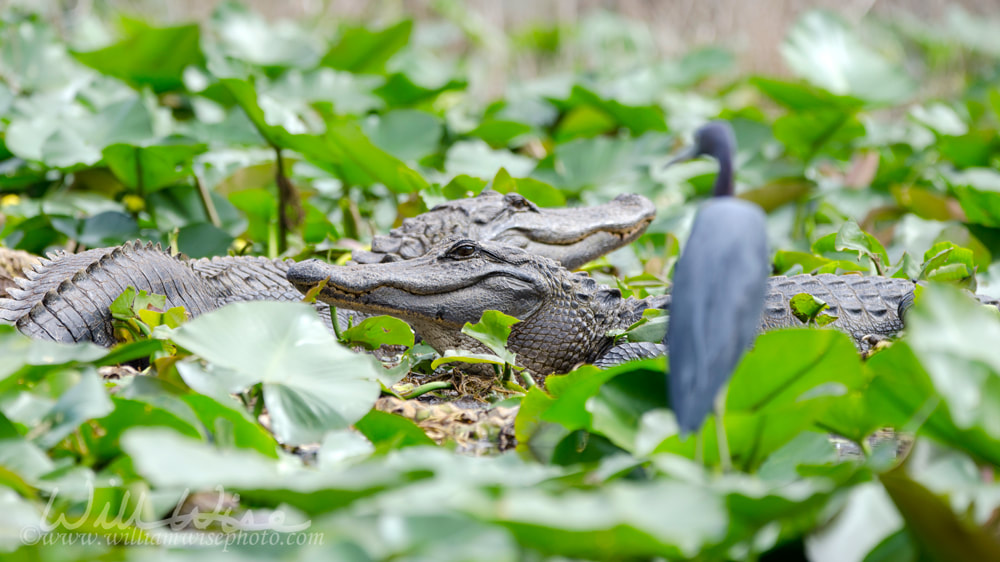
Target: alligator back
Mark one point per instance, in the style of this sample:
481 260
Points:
252 278
67 297
864 306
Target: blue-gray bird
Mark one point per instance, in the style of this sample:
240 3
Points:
719 285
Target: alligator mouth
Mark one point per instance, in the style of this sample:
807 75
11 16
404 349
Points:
355 282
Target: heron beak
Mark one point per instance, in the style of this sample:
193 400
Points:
684 155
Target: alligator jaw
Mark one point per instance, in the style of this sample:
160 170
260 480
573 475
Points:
575 236
430 289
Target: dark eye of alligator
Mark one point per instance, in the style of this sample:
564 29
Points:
463 251
519 203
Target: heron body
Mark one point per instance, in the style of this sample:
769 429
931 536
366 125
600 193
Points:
719 288
718 298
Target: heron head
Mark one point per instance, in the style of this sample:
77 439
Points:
714 139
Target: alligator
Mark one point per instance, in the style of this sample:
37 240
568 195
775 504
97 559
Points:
571 236
66 297
565 317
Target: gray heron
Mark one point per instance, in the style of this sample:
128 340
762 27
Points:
719 286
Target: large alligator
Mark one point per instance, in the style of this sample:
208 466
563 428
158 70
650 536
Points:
66 297
565 317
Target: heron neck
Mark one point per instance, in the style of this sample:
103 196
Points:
724 181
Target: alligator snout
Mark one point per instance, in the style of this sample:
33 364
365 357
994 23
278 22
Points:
308 273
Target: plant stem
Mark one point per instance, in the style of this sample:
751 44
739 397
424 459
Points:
529 381
139 183
206 202
425 388
287 197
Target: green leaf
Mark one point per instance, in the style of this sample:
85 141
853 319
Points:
774 395
362 51
499 133
273 127
807 134
109 228
348 153
949 263
376 331
152 167
800 97
390 432
201 240
492 330
407 134
475 158
311 383
84 401
809 309
149 56
954 338
978 191
230 418
851 237
932 523
248 36
821 48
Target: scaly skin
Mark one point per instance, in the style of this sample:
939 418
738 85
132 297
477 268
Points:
571 236
574 236
565 317
67 298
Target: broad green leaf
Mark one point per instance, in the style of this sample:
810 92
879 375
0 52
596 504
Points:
978 191
277 127
499 133
246 35
590 162
953 337
475 158
311 383
866 519
800 97
850 237
492 330
362 51
347 152
148 168
407 134
229 418
109 228
809 309
19 354
630 519
202 240
902 394
807 134
149 56
949 263
943 534
377 331
390 432
84 401
822 49
770 400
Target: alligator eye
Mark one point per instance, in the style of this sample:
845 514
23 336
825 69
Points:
519 203
463 251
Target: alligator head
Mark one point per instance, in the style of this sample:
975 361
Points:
570 236
564 316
